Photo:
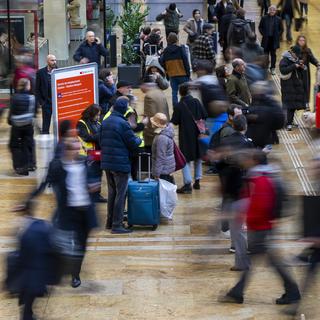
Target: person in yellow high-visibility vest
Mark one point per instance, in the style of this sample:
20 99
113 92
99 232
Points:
88 133
137 124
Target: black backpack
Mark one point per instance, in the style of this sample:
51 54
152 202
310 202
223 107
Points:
215 140
238 32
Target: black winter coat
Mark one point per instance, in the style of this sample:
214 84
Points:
188 131
264 26
260 121
91 52
292 90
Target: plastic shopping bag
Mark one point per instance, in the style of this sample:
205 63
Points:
168 198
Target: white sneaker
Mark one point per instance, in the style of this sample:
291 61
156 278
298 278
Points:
226 234
273 71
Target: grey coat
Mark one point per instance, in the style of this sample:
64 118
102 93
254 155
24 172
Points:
163 161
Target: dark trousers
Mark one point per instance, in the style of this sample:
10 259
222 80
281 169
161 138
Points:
290 116
46 118
272 52
168 31
258 245
94 176
167 177
78 223
22 147
175 83
117 189
27 299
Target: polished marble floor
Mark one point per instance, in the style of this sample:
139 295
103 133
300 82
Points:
179 270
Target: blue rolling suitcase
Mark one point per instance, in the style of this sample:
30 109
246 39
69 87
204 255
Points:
143 200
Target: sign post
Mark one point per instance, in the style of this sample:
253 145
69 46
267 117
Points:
73 90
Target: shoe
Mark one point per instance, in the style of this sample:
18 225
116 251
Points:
186 189
289 127
234 268
32 168
100 199
120 230
230 298
232 250
75 282
109 225
273 71
212 171
295 125
21 172
196 185
288 299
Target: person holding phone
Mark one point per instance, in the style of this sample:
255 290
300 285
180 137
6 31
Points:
90 50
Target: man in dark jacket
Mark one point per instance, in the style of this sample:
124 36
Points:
171 18
43 91
237 86
117 143
291 81
123 90
176 64
271 28
90 50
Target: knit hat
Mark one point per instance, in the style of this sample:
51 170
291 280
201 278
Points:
296 50
121 105
207 26
159 120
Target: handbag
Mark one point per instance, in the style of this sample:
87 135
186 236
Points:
94 155
179 157
298 22
201 124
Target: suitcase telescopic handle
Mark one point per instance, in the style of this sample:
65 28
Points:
149 165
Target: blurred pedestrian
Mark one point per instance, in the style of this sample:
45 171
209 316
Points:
304 9
237 87
43 92
33 266
90 50
289 9
88 128
270 27
21 117
308 58
293 94
75 215
107 90
264 4
117 142
226 20
185 113
176 64
170 17
251 50
259 217
65 131
163 160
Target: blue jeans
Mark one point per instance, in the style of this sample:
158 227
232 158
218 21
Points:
175 83
288 20
186 171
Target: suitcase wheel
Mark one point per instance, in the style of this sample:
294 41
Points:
154 227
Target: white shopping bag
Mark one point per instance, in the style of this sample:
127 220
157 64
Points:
168 198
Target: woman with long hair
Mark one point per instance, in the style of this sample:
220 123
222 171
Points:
88 133
307 57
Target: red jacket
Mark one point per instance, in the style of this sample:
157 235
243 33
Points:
262 199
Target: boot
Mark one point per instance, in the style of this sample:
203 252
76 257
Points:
186 189
196 185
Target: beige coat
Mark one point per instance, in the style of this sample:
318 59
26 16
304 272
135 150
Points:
154 102
191 27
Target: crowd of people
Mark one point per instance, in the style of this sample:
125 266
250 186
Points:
227 116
